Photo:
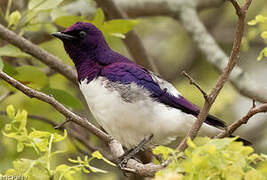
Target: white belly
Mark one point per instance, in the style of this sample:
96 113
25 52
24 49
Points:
130 122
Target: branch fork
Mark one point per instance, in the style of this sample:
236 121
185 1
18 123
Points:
209 100
115 146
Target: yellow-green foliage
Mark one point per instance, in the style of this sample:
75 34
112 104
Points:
261 21
42 142
212 159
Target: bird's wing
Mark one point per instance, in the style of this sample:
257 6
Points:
160 89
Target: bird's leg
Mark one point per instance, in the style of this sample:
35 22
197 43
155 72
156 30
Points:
130 153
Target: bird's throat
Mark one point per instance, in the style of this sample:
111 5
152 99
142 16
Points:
88 69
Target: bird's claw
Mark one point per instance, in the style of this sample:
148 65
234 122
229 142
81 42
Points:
130 154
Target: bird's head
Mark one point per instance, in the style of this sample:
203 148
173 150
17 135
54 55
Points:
81 39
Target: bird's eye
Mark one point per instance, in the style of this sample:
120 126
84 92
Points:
82 34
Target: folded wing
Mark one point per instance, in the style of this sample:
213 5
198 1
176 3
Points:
160 89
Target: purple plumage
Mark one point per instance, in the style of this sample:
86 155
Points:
94 60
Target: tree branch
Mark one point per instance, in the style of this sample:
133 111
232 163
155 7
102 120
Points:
230 129
115 146
243 83
193 82
138 8
132 40
59 107
215 55
225 74
71 131
32 49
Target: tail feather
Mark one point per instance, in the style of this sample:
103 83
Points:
214 121
245 142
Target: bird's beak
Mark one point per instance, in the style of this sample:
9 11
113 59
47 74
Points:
63 36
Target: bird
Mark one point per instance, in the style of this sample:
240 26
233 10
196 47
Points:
128 101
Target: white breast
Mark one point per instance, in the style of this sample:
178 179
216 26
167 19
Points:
130 121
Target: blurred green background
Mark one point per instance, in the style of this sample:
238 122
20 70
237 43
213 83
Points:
165 40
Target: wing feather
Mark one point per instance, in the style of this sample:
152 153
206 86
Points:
160 89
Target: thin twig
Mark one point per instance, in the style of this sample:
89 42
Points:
230 129
222 78
193 82
243 83
253 103
59 126
237 7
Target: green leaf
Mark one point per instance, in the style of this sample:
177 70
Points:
49 28
119 35
65 171
85 170
62 167
98 155
252 22
10 70
262 53
39 134
39 5
11 172
40 139
97 170
58 137
64 97
12 51
10 111
32 27
55 47
42 144
8 127
66 21
258 19
39 172
22 118
1 64
99 18
14 18
119 26
164 151
191 143
31 76
73 160
20 147
10 135
264 34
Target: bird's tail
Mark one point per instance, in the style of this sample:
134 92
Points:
245 142
214 121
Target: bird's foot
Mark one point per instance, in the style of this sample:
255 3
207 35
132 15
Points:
130 153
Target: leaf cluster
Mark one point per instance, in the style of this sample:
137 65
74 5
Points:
261 22
212 159
42 142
